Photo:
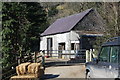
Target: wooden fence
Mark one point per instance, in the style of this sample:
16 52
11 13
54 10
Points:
7 72
85 55
64 54
90 54
68 54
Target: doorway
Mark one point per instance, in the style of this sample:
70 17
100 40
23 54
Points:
49 46
61 47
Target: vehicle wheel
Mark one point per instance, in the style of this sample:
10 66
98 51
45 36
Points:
88 76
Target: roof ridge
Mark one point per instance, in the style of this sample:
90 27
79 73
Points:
75 14
83 16
66 23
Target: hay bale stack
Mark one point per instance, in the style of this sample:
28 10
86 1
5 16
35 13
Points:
35 69
22 68
29 71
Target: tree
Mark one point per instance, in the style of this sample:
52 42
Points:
109 11
37 17
21 25
14 27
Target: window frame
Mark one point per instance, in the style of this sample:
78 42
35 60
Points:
109 53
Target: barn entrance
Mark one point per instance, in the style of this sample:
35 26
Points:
87 41
61 47
49 46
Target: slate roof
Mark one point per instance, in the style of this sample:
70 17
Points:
65 24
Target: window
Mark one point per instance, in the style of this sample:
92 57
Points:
49 42
114 54
61 46
75 46
104 54
109 54
72 46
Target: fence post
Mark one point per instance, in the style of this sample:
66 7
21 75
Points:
35 57
19 61
87 55
93 53
90 54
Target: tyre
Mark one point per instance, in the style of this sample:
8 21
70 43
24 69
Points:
88 76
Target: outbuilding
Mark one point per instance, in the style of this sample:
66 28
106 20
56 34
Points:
73 33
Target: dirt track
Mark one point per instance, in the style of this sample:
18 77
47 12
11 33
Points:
73 71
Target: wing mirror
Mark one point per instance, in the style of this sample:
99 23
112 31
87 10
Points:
95 60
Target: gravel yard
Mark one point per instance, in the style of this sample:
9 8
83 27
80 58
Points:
73 71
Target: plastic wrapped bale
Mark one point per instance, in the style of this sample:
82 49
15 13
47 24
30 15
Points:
22 68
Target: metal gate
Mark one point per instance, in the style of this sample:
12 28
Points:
65 57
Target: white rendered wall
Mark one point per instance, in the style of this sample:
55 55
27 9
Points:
59 38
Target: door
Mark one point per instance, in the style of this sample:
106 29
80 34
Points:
112 70
49 46
61 48
99 69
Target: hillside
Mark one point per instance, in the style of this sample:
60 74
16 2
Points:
108 11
